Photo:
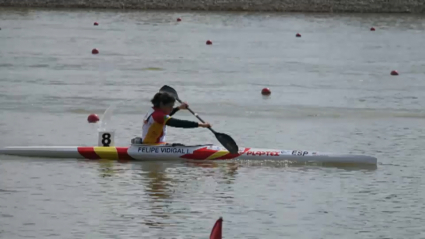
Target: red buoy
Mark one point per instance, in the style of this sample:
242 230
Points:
94 51
372 29
266 91
209 42
179 19
93 118
298 35
217 230
96 24
394 73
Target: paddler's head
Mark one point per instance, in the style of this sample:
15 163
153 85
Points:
163 101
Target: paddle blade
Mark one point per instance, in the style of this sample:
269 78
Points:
217 229
169 90
227 142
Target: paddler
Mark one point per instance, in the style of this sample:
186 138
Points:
159 117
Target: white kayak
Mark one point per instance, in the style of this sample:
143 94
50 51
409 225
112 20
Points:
142 152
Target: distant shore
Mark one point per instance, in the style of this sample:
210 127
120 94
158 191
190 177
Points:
352 6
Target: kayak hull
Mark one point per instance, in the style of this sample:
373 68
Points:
187 152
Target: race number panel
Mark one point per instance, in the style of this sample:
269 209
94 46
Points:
106 139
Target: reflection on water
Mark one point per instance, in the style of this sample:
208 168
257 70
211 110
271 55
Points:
228 170
159 189
288 164
157 184
106 168
163 184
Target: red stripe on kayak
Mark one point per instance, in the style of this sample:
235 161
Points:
232 156
88 152
123 153
199 154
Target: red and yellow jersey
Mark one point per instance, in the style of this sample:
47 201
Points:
154 126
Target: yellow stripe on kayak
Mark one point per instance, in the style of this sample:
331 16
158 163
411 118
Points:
106 152
217 154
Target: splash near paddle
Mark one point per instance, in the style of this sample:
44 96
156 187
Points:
217 229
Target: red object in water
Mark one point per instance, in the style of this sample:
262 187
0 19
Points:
96 24
298 35
217 229
95 51
179 19
394 73
93 118
209 42
266 91
372 29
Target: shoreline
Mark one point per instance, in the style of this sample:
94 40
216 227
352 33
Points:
289 6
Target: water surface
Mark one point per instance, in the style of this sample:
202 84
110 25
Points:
331 91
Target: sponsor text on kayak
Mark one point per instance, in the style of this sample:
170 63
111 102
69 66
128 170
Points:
261 153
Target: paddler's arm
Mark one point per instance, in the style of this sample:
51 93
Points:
185 123
184 105
174 111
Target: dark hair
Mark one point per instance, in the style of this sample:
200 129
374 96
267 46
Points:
162 97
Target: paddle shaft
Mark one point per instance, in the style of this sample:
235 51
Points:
197 116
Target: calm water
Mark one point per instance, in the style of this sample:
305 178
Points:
331 91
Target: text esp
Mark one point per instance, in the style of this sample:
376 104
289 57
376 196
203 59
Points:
299 152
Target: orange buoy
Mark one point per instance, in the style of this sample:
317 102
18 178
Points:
372 29
94 51
209 42
298 35
394 73
95 23
266 91
93 118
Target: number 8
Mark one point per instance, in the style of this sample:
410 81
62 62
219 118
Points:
106 139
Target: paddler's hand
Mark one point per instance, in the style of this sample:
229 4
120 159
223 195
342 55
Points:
183 106
204 125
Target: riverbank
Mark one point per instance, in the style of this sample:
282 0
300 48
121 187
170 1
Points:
363 6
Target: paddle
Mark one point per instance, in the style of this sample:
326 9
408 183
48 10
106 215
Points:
224 139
